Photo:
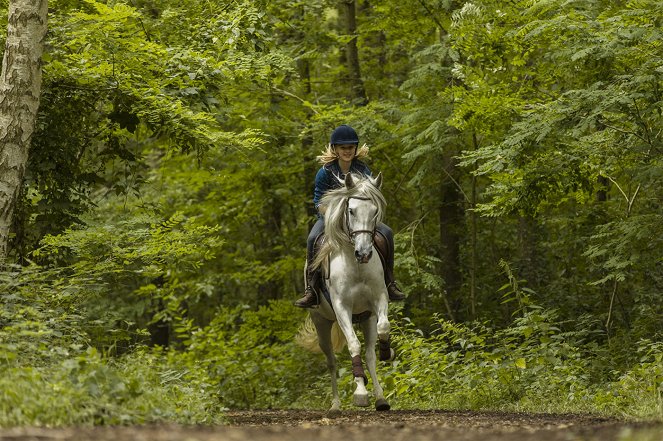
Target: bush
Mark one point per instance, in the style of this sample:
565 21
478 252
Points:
250 356
88 389
530 366
53 375
639 390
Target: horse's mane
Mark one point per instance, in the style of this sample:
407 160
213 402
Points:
334 200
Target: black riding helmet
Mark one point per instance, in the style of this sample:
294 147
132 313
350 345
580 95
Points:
344 134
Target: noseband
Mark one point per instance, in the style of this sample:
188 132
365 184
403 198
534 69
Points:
353 233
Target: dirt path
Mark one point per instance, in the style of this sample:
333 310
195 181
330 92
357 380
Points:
366 426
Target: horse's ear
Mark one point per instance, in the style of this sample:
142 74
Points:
378 181
349 182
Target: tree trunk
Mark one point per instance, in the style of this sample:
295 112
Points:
352 53
308 151
529 256
451 215
20 85
375 50
473 236
602 193
271 289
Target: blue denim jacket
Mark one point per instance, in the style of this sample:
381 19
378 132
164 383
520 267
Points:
330 177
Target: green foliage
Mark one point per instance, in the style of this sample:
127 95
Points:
249 357
53 376
111 92
38 325
126 275
167 200
641 388
88 389
532 365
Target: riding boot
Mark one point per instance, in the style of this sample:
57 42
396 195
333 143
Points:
386 252
310 299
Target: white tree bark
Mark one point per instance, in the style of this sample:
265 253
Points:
20 85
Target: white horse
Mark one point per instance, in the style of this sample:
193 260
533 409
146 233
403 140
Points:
354 278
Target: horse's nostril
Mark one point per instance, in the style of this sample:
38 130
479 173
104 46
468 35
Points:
363 257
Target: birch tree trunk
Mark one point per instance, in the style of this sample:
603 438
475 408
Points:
20 84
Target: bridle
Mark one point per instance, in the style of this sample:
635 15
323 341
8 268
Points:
353 233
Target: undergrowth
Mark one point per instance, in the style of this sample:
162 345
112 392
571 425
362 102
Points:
532 366
248 359
92 390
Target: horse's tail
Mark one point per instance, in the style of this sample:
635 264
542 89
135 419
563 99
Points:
337 337
307 337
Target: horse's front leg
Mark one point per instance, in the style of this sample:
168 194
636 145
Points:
369 327
383 327
344 317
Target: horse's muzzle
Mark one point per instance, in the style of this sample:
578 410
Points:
363 257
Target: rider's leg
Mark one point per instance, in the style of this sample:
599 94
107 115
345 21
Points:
310 298
384 242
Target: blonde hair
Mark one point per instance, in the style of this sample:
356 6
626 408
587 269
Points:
329 155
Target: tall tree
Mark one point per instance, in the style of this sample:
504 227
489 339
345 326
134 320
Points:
20 84
352 53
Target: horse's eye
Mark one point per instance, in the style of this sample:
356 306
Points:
351 212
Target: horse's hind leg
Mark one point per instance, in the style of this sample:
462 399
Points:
323 327
369 327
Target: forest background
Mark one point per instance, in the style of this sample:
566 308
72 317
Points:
159 239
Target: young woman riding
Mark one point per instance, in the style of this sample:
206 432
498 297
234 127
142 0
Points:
343 156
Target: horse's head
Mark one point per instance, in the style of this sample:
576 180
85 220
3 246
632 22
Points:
362 215
353 212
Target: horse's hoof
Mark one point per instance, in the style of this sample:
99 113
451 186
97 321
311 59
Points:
361 400
382 405
334 413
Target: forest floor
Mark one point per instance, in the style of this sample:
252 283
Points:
406 425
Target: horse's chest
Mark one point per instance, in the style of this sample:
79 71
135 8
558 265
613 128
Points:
360 284
364 274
